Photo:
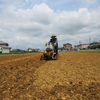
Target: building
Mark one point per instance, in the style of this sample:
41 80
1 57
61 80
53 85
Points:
18 50
29 49
34 50
4 47
81 46
94 45
67 46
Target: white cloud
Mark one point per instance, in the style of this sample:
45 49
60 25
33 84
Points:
33 27
91 1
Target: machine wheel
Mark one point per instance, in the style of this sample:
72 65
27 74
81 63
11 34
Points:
42 57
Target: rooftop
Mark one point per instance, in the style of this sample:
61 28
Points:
1 42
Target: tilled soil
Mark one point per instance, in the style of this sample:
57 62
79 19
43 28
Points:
74 76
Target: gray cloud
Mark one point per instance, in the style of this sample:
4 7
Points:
33 27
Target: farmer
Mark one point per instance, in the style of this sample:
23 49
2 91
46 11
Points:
54 43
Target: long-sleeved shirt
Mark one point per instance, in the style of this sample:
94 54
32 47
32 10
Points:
53 41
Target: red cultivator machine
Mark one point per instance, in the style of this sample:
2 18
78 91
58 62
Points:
49 54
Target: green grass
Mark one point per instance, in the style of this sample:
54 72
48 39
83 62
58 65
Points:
91 50
11 53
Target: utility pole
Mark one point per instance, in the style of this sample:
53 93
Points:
89 40
79 42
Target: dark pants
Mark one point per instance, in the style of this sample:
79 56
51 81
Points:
56 49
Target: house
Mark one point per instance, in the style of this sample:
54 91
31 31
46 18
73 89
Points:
18 50
38 50
94 45
4 47
67 46
29 49
35 50
81 46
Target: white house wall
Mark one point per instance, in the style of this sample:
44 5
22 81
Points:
85 46
4 50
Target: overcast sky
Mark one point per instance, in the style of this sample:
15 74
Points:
30 23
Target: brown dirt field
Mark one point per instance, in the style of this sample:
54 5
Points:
75 76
